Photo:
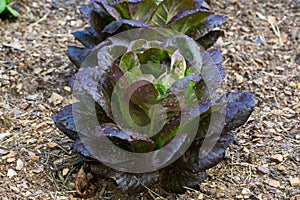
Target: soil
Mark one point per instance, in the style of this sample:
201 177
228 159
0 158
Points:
261 55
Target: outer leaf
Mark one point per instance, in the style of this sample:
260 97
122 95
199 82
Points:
126 139
195 161
78 147
2 5
86 85
64 121
210 38
140 11
210 22
168 9
180 119
86 39
174 180
188 21
123 8
116 25
239 107
77 55
109 9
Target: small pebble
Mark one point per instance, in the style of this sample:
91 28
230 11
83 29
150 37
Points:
263 170
277 158
295 182
274 183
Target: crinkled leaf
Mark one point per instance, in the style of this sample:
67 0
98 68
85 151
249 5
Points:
144 95
123 8
130 141
86 39
239 107
78 147
109 9
210 38
167 9
98 20
140 11
187 115
86 84
77 55
64 121
210 22
189 20
153 55
196 161
175 180
129 61
116 25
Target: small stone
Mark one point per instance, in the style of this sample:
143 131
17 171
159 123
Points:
51 145
10 155
67 88
55 98
20 164
10 160
239 79
65 171
295 182
274 183
11 173
258 81
3 152
245 191
263 170
15 189
281 168
200 197
32 97
297 197
277 158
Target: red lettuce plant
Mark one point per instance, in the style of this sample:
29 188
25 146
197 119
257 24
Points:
150 107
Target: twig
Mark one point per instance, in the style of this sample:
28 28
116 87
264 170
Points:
149 190
41 19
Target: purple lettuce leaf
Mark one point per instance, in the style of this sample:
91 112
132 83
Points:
168 9
86 38
115 26
210 38
86 84
188 115
78 147
239 107
195 161
207 25
109 9
188 20
140 10
124 138
77 55
64 121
